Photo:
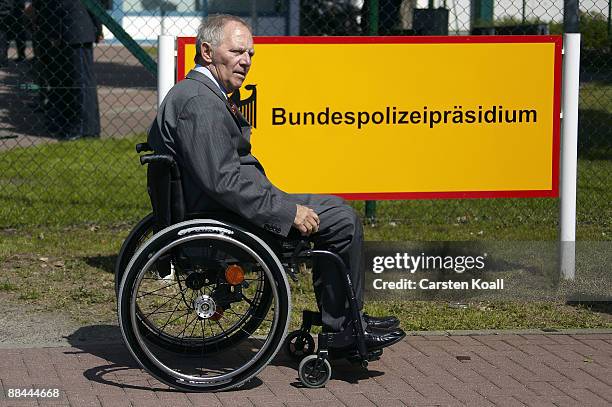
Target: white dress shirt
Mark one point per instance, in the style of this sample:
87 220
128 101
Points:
206 71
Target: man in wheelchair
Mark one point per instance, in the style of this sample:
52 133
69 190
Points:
200 127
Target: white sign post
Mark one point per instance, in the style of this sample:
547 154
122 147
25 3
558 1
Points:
165 66
569 154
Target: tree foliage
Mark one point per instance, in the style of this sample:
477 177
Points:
594 30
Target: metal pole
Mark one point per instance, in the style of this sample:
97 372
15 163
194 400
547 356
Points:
571 16
204 8
254 17
609 20
524 9
163 19
373 17
370 206
165 66
143 57
569 154
294 17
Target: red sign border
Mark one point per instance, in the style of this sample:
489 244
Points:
557 40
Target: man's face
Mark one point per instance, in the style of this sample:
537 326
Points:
231 60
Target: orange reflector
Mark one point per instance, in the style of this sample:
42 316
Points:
234 274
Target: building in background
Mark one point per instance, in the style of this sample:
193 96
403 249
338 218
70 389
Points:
144 20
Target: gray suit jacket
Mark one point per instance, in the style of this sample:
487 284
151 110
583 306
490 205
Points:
212 146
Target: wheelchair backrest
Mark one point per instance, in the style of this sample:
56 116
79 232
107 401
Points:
164 187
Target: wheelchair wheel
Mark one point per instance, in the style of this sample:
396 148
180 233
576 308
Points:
219 320
298 345
314 372
140 234
137 237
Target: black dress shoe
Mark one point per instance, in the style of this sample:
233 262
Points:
389 322
376 338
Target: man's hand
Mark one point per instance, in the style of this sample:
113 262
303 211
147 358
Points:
306 220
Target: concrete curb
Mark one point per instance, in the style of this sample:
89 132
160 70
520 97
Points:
479 332
460 332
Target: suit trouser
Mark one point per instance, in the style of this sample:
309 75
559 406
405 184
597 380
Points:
341 232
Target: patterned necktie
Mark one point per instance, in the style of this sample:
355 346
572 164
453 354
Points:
236 112
233 106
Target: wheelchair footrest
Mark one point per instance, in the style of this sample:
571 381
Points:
371 356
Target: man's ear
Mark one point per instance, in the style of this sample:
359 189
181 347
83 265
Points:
206 52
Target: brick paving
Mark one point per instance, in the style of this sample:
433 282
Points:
447 369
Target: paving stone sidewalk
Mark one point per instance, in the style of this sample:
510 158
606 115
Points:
521 368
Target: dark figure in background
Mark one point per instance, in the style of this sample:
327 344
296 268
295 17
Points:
6 10
73 99
18 30
322 17
40 13
388 16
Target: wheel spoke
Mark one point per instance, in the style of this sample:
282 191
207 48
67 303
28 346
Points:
175 319
159 289
175 295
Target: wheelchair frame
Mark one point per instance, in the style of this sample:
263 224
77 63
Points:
165 190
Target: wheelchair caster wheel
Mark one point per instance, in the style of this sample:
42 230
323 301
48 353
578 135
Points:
298 345
314 372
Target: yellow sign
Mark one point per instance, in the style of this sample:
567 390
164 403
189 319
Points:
404 117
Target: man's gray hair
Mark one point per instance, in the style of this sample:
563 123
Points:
211 30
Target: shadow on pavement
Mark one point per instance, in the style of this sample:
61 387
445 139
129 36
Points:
121 75
341 370
121 370
105 342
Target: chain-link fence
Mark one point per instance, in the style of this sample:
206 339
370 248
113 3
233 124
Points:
66 77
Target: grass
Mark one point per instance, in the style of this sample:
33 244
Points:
62 270
433 316
595 121
101 182
70 269
7 286
596 96
64 184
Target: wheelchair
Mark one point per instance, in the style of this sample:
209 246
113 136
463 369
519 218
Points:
203 299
